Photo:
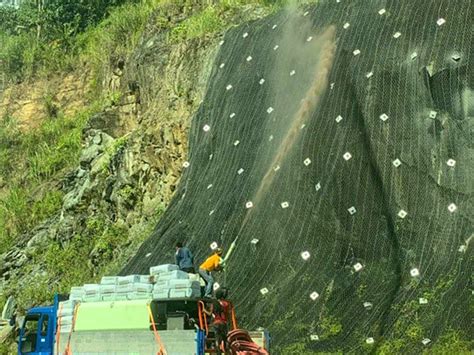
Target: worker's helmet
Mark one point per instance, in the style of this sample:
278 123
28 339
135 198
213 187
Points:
219 251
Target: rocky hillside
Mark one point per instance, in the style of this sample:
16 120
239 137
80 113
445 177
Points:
129 118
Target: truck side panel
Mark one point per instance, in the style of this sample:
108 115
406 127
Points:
112 316
176 342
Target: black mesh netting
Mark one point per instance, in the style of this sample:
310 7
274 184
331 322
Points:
349 129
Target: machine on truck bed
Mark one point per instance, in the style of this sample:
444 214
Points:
159 324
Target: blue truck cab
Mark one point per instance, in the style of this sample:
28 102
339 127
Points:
38 329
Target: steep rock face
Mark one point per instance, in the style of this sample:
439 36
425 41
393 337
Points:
32 104
338 138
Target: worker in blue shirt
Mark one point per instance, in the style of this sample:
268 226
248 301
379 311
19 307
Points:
184 258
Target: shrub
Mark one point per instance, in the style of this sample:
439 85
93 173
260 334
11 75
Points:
9 138
16 53
46 206
453 342
69 264
390 347
55 145
330 326
13 214
115 37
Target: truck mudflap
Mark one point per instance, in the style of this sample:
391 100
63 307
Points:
241 343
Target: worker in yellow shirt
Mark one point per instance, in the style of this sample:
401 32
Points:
212 263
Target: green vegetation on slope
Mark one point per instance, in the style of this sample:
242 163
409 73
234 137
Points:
30 162
206 22
41 37
61 34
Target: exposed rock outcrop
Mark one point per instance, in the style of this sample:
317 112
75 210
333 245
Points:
129 167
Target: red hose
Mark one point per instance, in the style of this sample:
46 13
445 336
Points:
241 343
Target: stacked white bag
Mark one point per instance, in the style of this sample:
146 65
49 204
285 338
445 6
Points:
122 288
65 316
76 294
134 287
114 288
164 282
171 283
91 293
107 288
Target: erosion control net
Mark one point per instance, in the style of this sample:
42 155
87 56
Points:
336 142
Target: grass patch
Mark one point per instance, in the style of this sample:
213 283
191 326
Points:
23 57
207 21
47 205
390 347
77 262
218 17
13 216
29 162
114 38
9 139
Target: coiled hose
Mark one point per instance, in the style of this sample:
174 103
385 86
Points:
241 343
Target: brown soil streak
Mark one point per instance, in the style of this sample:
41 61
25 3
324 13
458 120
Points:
308 106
